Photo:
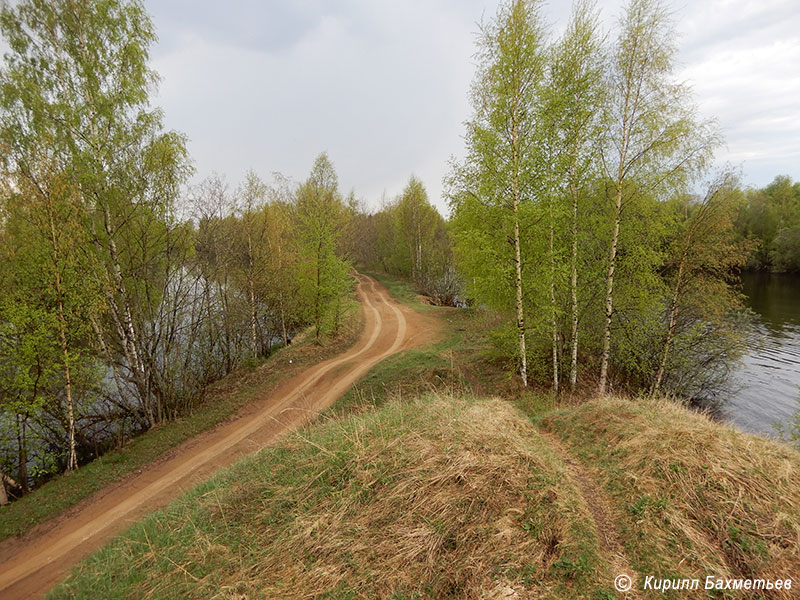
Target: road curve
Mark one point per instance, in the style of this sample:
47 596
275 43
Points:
30 566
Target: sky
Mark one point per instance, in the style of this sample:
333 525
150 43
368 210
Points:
383 85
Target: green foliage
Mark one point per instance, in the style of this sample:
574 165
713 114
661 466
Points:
785 254
323 274
770 217
410 238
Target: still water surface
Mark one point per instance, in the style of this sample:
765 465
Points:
767 385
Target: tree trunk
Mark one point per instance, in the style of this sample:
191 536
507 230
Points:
253 321
5 480
673 316
72 459
523 367
123 318
418 257
252 292
318 299
22 454
612 263
227 334
554 321
106 352
337 316
673 320
573 368
283 323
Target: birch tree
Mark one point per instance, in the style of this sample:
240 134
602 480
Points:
321 221
499 177
655 139
283 287
253 258
704 251
576 100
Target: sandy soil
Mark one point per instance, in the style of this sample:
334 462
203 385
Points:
34 563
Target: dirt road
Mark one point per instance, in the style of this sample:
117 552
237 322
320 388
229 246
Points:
33 564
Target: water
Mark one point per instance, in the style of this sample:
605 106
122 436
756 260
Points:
768 383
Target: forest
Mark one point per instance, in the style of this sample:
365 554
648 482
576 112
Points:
586 215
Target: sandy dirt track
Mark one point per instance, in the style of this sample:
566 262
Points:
33 564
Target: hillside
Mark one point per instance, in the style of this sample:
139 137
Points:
453 496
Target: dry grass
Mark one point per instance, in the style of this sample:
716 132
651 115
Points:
454 497
435 498
698 498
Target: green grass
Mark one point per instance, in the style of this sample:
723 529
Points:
405 374
460 360
221 401
438 497
401 290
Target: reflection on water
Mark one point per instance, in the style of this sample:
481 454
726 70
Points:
768 383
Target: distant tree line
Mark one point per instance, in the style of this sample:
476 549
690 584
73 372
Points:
409 238
771 217
575 211
121 296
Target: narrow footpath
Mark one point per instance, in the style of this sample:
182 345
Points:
600 508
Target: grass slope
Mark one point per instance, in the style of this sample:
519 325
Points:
692 497
442 497
450 496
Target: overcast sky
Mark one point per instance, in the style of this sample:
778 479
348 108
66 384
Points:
382 85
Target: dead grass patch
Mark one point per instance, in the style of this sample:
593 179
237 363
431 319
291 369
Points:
699 498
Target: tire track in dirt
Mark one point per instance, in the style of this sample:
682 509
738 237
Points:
36 563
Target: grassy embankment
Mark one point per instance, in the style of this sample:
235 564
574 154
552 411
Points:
459 497
691 497
394 495
221 401
432 498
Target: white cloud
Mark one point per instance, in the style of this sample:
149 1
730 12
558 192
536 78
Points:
383 89
741 58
